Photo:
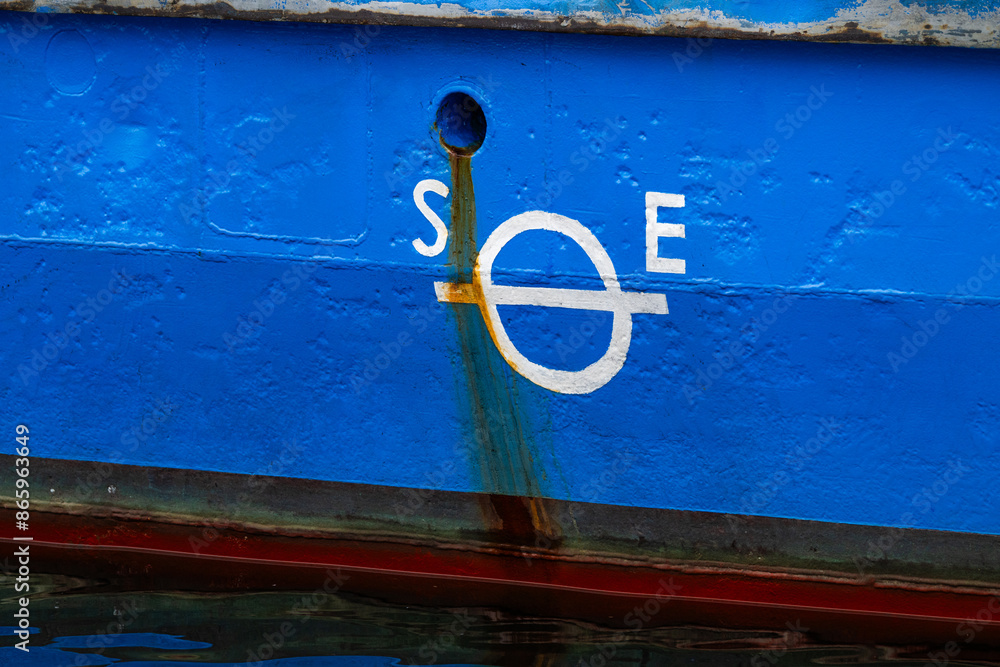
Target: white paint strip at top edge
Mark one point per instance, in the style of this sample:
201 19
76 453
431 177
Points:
890 18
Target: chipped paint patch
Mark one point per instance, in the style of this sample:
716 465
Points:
869 21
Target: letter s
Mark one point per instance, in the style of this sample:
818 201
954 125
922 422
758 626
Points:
439 188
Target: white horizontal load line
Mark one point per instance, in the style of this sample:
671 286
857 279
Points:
557 297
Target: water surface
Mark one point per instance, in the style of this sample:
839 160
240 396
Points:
77 623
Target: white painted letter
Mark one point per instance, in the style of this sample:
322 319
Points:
440 188
655 230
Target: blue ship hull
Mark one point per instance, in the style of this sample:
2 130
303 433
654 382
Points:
753 281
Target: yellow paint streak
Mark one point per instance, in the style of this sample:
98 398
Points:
472 293
458 293
480 300
540 519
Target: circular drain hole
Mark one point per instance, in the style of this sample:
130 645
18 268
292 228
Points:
461 123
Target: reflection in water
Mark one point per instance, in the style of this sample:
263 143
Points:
78 623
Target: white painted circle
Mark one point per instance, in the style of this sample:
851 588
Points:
597 374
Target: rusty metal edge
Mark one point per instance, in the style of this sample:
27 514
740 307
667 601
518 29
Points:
847 32
452 519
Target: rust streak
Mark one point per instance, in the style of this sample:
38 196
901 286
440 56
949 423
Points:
512 507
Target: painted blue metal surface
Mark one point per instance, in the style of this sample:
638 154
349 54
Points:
207 239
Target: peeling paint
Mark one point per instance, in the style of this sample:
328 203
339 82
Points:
869 21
